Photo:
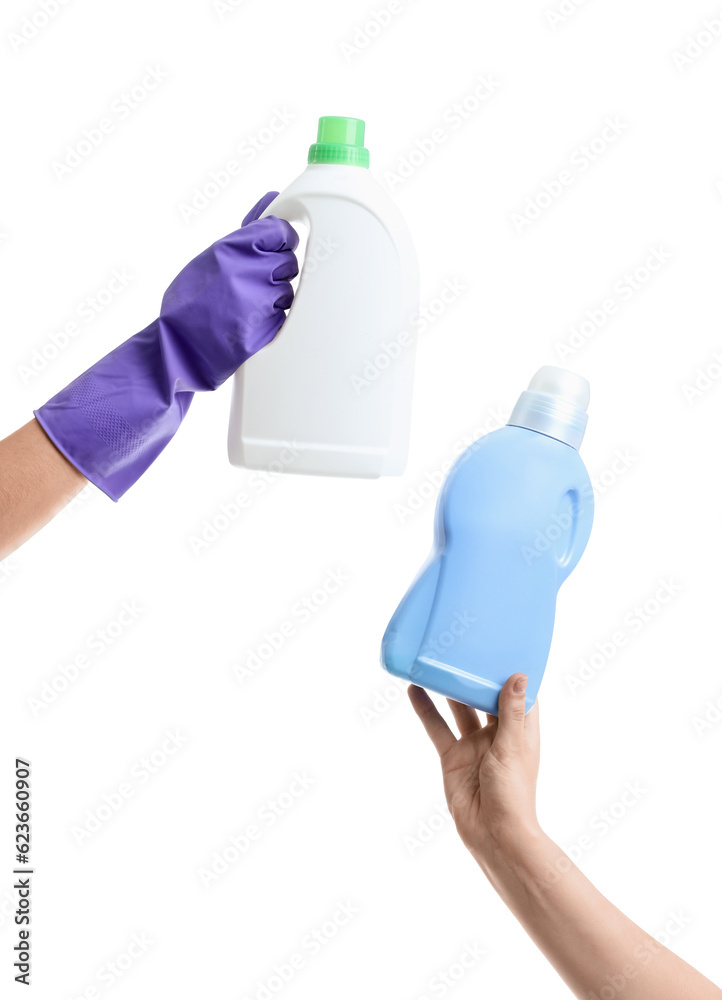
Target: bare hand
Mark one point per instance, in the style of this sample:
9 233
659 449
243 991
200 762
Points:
490 771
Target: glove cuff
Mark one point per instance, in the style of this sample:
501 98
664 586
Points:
114 420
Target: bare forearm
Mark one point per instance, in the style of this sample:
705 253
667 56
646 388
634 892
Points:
36 482
593 946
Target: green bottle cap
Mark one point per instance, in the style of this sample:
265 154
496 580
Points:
340 140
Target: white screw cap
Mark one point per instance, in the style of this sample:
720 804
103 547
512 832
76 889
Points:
555 404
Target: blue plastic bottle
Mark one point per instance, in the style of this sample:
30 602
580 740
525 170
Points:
512 521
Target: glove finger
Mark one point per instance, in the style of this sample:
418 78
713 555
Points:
288 267
259 208
272 234
269 235
285 299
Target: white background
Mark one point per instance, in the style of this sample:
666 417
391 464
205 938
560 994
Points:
321 704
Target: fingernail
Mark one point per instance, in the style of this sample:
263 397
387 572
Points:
520 684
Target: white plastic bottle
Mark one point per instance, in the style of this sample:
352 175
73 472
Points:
336 383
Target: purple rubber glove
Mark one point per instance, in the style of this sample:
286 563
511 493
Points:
114 420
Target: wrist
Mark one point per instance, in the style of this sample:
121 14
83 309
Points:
509 844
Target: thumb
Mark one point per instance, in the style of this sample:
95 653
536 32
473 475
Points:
259 208
512 711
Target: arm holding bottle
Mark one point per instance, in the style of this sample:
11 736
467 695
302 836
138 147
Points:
111 423
490 774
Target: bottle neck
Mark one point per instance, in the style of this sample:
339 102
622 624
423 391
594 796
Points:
551 415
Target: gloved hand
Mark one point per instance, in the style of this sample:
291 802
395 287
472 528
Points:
114 420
